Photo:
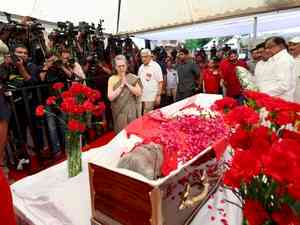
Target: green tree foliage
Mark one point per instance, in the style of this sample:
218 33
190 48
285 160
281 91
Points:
192 44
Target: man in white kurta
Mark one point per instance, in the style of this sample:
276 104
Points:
151 77
261 68
280 74
294 48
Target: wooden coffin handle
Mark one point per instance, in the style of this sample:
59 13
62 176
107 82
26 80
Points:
188 201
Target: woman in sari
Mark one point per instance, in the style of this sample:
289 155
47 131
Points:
124 90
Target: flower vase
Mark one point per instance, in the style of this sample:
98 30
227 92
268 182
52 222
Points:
73 151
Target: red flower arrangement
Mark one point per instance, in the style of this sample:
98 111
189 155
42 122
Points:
280 112
78 104
265 169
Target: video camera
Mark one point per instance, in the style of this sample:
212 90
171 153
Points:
85 28
65 30
7 27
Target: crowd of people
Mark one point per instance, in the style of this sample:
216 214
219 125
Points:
158 80
277 68
134 86
274 64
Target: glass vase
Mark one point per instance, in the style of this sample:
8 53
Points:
73 151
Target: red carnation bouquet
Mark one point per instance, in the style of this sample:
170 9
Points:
78 104
264 171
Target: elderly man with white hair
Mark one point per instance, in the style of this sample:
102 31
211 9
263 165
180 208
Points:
151 76
294 49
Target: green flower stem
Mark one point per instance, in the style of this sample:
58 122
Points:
73 150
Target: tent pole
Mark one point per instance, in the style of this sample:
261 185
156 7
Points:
147 44
254 29
253 34
119 12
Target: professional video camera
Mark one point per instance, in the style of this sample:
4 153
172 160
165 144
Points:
29 33
82 41
65 33
97 42
87 29
11 25
36 42
8 27
114 45
64 37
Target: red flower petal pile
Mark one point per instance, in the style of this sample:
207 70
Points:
185 137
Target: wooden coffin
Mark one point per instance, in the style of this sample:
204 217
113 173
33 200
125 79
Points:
120 199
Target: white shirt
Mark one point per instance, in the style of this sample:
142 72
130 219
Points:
260 73
297 92
151 76
277 77
172 78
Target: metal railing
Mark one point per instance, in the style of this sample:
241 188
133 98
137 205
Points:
26 131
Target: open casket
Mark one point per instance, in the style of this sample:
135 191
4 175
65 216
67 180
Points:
123 197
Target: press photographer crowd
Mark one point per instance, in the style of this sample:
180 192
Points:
132 81
30 64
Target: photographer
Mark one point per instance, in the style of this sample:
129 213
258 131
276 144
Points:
17 67
61 69
18 72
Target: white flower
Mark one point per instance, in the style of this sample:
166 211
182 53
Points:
187 112
193 111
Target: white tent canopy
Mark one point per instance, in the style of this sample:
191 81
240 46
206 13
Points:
275 21
140 16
